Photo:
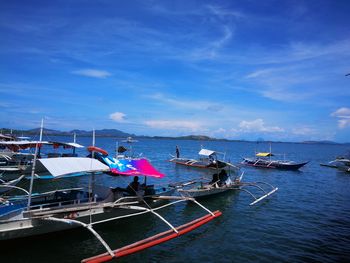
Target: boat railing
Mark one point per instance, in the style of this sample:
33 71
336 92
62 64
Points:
60 204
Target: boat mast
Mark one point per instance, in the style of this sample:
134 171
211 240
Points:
93 157
116 149
74 140
34 163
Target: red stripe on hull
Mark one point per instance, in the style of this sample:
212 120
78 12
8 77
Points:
154 240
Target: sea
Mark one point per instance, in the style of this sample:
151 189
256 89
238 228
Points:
306 220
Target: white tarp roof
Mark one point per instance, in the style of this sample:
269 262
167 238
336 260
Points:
23 142
71 144
206 152
70 165
5 137
75 145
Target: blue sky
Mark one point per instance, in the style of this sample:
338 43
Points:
227 69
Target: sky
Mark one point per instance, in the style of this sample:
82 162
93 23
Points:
227 69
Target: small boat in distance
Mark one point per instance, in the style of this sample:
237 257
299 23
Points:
341 163
264 160
129 140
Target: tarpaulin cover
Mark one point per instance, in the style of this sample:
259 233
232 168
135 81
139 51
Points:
133 167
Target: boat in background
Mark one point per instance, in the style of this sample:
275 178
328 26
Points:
222 183
14 161
129 140
341 163
265 160
208 160
6 186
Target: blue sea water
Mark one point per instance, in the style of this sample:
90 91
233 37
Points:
306 220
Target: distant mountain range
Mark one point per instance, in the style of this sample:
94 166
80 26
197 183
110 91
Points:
320 142
121 134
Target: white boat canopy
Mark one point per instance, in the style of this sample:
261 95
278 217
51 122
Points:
32 144
206 152
24 143
69 165
5 137
67 144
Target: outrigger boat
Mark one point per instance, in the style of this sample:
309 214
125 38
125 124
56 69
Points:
13 162
208 160
77 208
263 160
222 183
87 209
341 163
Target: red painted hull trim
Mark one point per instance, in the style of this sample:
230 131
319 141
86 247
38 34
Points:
154 240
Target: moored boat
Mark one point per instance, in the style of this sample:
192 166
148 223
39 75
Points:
208 160
222 183
341 163
264 160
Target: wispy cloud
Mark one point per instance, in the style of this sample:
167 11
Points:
222 12
183 125
292 75
343 115
212 49
183 103
258 125
94 73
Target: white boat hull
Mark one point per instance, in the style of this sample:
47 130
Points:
204 192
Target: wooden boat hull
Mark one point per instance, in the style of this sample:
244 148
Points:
273 164
41 224
198 163
17 223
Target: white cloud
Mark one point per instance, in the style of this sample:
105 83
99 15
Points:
117 116
343 123
258 125
94 73
343 114
174 125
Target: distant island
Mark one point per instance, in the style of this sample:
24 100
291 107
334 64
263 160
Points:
120 134
101 133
